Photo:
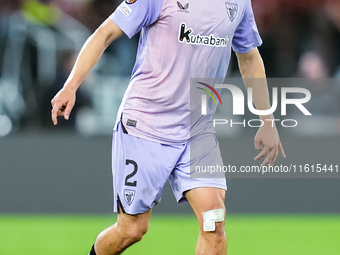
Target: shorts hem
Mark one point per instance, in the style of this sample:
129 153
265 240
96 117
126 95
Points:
182 199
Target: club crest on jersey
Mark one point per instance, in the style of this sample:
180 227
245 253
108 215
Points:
129 196
185 35
182 8
130 1
232 11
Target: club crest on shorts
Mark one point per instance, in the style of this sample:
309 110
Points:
129 196
232 11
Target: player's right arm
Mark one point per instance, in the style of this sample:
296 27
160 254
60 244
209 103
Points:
89 55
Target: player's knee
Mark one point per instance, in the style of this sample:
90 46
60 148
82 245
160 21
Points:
136 232
219 232
219 229
217 236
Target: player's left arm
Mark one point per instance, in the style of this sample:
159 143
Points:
267 139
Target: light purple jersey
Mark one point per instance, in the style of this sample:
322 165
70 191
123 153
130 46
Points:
179 40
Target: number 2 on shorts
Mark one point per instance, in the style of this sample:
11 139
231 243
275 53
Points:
135 169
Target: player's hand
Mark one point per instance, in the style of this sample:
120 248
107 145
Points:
62 103
267 141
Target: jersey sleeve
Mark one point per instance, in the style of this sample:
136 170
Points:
246 36
132 15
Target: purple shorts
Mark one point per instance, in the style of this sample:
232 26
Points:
141 168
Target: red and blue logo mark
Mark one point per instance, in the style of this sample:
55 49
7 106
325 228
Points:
209 93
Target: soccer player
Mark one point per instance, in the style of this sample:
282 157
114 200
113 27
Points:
154 139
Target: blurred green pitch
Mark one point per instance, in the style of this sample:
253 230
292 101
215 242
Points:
247 234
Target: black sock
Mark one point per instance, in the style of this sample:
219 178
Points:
92 252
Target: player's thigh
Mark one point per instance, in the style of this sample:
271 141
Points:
202 151
202 200
140 170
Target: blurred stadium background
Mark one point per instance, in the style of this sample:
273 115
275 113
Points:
55 182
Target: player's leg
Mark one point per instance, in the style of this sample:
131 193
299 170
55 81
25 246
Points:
206 200
128 230
205 191
140 170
